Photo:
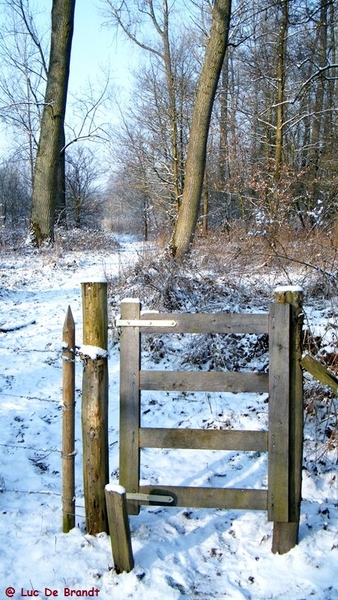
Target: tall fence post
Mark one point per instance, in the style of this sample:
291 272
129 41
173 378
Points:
68 423
95 404
285 534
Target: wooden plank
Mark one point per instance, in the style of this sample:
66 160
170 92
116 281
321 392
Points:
285 535
204 439
119 528
203 381
279 392
201 497
317 370
209 323
129 474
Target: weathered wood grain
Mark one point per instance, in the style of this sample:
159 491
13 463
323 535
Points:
279 397
95 407
130 402
203 381
68 423
285 535
201 497
119 528
209 323
204 439
319 372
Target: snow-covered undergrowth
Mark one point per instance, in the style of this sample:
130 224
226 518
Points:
178 552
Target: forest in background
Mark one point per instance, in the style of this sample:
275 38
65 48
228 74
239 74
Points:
269 199
271 157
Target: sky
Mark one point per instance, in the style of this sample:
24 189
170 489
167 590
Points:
94 48
97 58
95 53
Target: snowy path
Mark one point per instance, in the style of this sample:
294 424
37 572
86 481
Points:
178 552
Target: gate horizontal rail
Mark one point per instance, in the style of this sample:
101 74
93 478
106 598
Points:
203 439
204 381
198 322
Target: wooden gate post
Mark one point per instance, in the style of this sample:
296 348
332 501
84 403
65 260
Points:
129 475
68 423
285 534
119 528
95 404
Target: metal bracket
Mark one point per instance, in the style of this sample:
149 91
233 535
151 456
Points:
149 498
144 323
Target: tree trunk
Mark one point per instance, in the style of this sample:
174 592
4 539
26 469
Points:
60 200
46 184
199 129
172 105
318 117
282 41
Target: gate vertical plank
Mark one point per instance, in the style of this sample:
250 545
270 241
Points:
279 391
285 535
130 402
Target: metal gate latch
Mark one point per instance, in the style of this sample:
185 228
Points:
149 498
144 323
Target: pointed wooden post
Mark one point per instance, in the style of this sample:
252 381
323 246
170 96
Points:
285 535
95 404
68 423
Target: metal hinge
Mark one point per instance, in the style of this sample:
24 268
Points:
144 323
149 498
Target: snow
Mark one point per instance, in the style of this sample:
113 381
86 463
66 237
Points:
96 280
195 553
289 288
93 352
115 488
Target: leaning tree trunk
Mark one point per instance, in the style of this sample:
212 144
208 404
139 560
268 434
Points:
281 67
46 183
199 129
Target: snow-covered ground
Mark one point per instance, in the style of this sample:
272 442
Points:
178 551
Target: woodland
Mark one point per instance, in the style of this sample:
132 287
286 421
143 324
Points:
207 183
270 163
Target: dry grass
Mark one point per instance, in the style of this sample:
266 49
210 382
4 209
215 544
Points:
301 256
239 273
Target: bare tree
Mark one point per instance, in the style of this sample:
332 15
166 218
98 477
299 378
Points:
23 78
128 16
83 196
46 186
14 198
196 157
281 68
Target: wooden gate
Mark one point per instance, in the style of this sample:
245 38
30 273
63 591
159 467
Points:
282 440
